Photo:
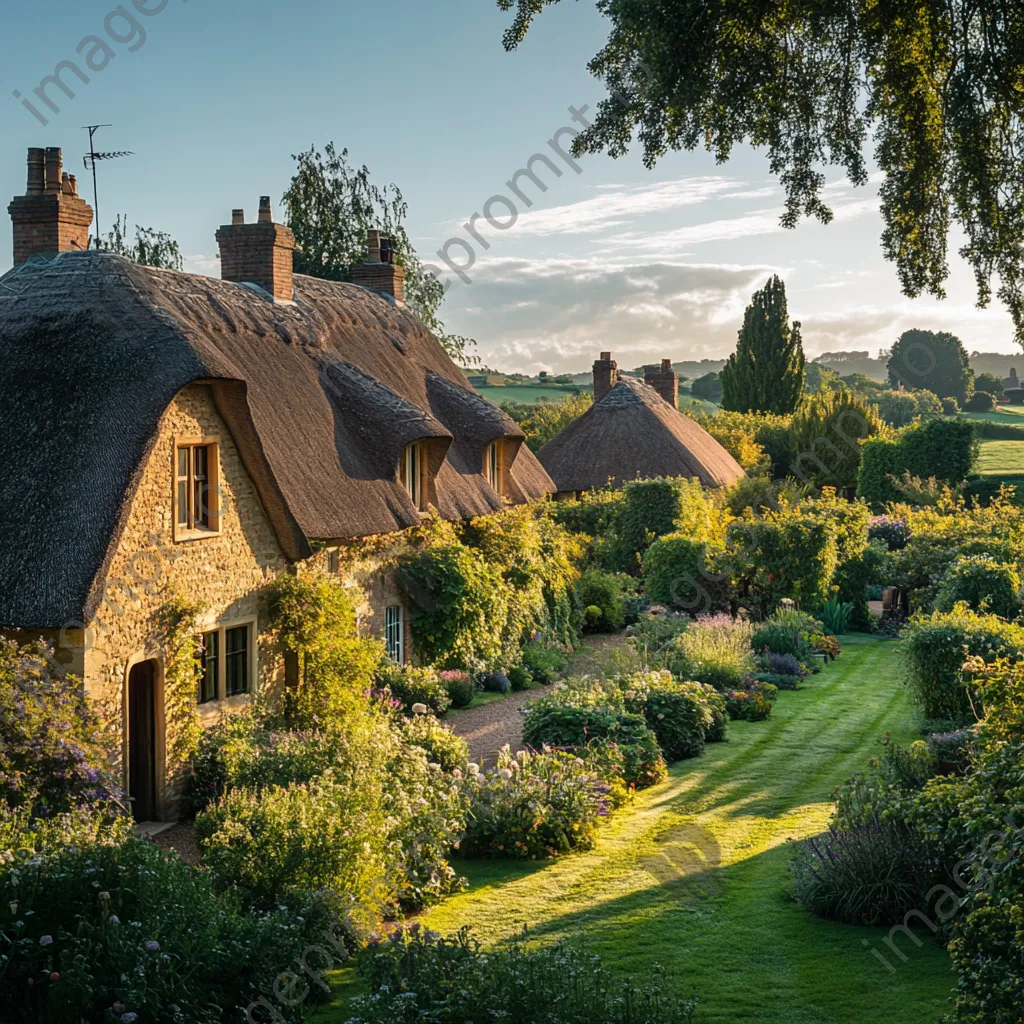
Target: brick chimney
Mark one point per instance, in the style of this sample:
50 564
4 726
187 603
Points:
665 381
606 375
380 273
259 253
51 217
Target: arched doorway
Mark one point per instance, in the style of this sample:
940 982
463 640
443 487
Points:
142 740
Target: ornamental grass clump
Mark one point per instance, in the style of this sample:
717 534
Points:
416 975
715 649
534 806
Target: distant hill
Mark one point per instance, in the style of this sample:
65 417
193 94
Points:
845 363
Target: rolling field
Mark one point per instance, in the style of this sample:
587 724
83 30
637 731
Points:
527 393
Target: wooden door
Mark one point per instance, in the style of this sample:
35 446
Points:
142 740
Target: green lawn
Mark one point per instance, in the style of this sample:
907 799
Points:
695 875
1006 414
528 393
1001 458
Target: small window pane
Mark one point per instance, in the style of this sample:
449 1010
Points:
183 503
182 462
208 664
394 633
236 660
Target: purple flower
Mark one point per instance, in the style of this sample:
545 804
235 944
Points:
153 946
45 940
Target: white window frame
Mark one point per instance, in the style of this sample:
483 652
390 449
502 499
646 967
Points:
394 632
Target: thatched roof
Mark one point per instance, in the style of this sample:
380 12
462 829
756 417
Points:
634 433
320 397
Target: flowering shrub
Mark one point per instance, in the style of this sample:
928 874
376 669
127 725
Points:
494 682
442 746
748 705
781 664
460 685
894 532
416 975
119 930
680 714
534 805
715 650
54 757
825 643
780 682
575 715
413 685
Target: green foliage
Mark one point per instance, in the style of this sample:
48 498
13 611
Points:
461 686
544 662
827 435
988 384
810 83
982 583
754 440
413 685
901 408
836 616
419 976
933 653
937 362
766 372
776 638
601 596
684 573
751 705
873 567
534 806
652 508
331 206
442 746
541 421
943 449
679 714
315 623
90 926
151 248
182 674
519 678
708 387
460 605
715 649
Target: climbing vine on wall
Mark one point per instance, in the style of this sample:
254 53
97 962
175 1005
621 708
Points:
178 619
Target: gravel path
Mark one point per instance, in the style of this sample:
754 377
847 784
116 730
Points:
489 727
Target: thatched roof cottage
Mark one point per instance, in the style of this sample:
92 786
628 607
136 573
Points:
171 433
634 431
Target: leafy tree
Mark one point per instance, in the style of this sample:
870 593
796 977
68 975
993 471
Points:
151 248
937 84
331 205
934 361
989 383
766 372
542 421
900 408
817 377
708 387
827 435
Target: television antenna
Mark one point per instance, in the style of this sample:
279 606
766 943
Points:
90 160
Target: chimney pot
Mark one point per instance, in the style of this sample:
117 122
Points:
74 184
665 381
666 364
606 375
261 254
373 245
51 217
36 172
377 274
54 170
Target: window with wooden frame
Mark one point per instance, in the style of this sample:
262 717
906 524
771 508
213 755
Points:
413 469
334 561
394 633
196 488
227 661
493 466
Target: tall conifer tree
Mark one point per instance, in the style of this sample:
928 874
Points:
766 372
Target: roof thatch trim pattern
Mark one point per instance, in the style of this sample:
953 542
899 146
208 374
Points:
94 348
633 433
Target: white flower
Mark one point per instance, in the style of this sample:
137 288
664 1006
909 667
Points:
473 768
457 773
481 778
45 940
505 774
579 762
520 755
419 709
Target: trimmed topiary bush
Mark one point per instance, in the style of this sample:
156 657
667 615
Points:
601 595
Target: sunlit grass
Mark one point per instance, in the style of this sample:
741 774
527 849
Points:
695 875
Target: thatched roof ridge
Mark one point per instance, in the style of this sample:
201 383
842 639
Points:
634 433
319 395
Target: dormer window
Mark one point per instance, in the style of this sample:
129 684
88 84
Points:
412 471
492 465
196 488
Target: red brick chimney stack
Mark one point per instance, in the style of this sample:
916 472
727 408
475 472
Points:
50 217
606 375
259 254
665 381
379 273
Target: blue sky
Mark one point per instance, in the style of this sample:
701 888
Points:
649 264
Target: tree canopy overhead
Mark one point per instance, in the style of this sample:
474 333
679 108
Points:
938 83
331 205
